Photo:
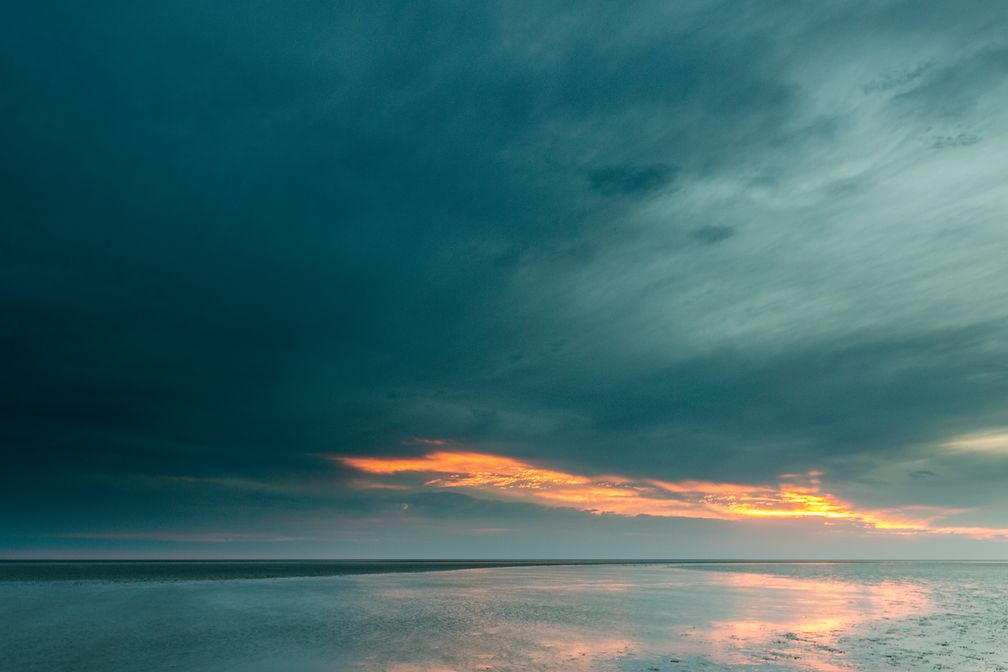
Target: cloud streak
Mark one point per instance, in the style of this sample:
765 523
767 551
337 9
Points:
993 442
795 496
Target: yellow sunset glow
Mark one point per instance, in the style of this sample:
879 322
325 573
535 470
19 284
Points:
796 496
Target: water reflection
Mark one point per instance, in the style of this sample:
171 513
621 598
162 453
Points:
802 621
561 619
665 618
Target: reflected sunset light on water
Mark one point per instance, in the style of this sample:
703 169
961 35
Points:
665 616
672 617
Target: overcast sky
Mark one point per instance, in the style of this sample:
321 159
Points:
534 279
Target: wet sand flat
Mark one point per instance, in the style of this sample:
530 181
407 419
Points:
830 616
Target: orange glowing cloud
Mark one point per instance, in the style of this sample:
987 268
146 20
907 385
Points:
796 496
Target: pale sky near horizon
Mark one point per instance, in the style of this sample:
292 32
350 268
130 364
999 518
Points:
508 279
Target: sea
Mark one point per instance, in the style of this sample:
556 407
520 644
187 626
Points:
441 616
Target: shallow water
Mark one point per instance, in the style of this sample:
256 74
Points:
876 616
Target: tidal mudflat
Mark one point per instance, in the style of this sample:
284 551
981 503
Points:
662 616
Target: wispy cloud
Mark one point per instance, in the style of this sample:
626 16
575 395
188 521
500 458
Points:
422 441
185 537
991 442
794 496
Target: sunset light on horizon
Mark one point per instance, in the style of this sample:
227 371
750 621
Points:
795 495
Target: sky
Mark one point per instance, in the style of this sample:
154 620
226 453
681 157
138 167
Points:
505 279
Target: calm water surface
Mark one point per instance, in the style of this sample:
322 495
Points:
877 616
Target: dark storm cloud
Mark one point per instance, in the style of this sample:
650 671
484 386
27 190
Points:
896 78
627 181
195 213
961 140
954 89
240 236
713 234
